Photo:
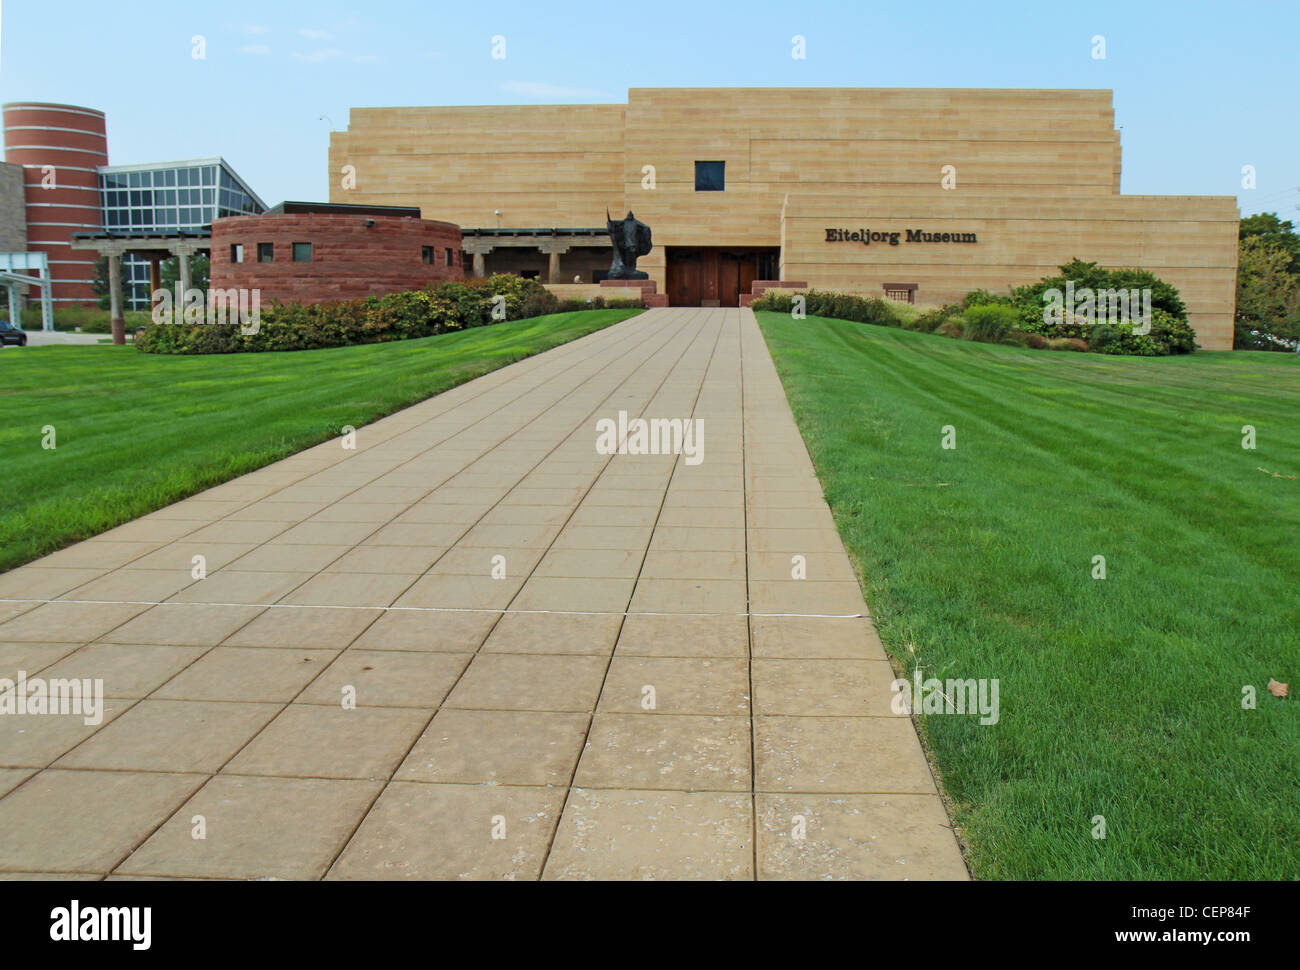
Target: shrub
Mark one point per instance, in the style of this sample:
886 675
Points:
776 302
1068 343
573 304
441 308
85 319
1170 331
989 322
951 328
836 306
930 320
983 298
1021 338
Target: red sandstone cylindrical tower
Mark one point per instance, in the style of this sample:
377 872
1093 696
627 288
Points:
60 146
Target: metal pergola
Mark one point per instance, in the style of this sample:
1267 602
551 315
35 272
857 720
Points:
14 268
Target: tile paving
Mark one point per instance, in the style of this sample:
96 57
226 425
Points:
474 647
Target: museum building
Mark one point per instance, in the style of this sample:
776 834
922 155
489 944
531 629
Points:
918 195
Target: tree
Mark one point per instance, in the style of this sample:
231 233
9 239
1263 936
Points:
100 286
1268 295
199 271
1268 227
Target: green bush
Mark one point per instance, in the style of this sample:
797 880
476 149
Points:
983 298
837 306
1068 343
85 319
931 320
597 303
1170 331
442 308
989 322
1022 338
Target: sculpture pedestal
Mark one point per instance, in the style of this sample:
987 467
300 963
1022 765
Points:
647 288
760 287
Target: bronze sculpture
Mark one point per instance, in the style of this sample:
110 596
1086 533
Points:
631 238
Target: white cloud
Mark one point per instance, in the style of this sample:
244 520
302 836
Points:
317 57
256 29
261 50
312 34
364 59
539 89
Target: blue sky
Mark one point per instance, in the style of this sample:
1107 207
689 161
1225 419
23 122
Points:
1201 88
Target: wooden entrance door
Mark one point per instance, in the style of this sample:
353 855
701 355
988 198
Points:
684 277
714 276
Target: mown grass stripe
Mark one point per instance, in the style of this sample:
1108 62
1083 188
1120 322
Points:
1119 697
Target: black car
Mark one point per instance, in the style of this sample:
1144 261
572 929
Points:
9 334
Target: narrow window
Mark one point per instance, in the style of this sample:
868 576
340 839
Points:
451 258
426 255
302 252
236 252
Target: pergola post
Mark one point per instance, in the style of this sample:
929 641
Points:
553 267
116 320
480 265
155 274
183 257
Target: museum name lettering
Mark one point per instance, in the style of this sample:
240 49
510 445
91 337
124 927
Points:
866 237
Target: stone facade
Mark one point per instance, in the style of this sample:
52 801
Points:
1033 175
13 209
349 259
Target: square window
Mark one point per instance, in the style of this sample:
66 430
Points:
266 252
710 176
302 252
426 255
236 252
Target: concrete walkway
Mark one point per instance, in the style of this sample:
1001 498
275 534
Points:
475 647
42 338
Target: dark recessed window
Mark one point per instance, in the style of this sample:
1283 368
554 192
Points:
451 258
302 252
426 255
266 252
710 176
236 252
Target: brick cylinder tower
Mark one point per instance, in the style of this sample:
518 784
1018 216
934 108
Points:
60 146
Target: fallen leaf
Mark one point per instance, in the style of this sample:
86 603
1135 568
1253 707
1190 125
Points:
1278 689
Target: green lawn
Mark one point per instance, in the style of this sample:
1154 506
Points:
139 431
1119 697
